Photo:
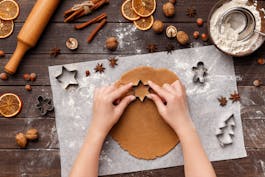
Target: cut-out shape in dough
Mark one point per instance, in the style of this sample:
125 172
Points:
141 91
200 73
67 77
141 130
225 131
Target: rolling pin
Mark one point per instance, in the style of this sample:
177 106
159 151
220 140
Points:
31 31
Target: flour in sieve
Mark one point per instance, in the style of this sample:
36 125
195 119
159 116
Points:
226 39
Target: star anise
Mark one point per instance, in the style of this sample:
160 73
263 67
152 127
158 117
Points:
235 97
191 12
222 100
99 68
170 48
113 62
152 48
55 52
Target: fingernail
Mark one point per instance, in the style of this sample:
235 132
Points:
149 82
133 98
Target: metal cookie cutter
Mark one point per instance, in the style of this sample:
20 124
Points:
200 73
44 105
225 131
67 77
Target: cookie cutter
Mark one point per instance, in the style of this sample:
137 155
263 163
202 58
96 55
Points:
225 131
44 105
67 77
200 73
140 86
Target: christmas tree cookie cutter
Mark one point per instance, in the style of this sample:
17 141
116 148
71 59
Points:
225 132
44 105
67 77
200 73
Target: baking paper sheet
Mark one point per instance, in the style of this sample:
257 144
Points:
73 107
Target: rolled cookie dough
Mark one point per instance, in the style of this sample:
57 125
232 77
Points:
141 131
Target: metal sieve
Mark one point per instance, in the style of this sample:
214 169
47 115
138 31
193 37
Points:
245 25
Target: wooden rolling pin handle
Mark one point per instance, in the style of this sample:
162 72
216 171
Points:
14 61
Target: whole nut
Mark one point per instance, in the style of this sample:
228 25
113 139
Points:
2 53
71 43
21 140
32 134
199 21
204 37
171 31
261 61
26 77
3 76
182 38
257 83
196 34
169 9
28 87
33 76
158 26
112 43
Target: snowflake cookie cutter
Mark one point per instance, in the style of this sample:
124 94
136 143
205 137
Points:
44 105
200 73
225 131
67 77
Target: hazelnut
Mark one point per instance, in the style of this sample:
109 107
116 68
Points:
26 77
182 37
3 76
171 31
32 134
112 43
199 21
196 34
204 37
2 53
257 83
158 26
21 140
87 73
33 76
28 87
169 9
71 43
261 61
173 1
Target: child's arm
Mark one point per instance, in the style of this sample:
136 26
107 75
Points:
176 114
105 115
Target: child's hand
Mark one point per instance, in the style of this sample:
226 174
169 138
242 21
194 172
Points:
175 111
105 113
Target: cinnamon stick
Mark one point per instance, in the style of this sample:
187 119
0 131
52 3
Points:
89 22
73 15
99 4
94 32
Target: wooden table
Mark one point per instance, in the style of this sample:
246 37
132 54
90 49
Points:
43 158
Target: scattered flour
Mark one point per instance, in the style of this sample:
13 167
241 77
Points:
227 38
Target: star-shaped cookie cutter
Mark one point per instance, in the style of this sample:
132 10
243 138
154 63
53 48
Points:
44 105
200 73
69 80
141 90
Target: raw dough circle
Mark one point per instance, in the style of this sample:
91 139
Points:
141 131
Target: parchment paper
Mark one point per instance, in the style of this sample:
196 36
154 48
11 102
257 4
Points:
73 107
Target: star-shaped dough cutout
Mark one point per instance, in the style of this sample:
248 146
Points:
67 77
141 91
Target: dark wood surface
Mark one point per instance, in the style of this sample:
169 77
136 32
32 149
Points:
42 158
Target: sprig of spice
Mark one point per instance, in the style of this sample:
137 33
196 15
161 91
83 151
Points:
235 97
191 12
222 100
113 62
152 48
99 68
55 52
170 48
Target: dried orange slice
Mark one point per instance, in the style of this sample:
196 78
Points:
128 12
6 28
144 8
144 23
9 10
10 105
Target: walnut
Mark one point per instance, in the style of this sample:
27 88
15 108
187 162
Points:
171 31
169 9
158 26
32 134
112 43
182 37
21 140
